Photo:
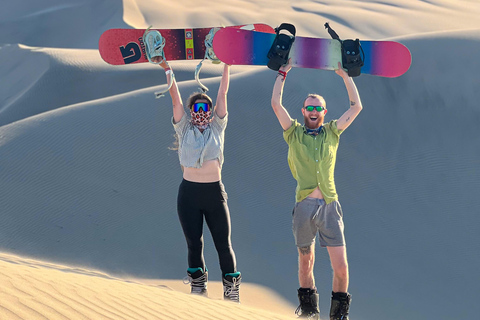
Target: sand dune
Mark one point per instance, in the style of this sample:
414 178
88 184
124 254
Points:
88 183
31 289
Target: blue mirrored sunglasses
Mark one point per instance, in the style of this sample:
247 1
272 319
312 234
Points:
311 108
200 105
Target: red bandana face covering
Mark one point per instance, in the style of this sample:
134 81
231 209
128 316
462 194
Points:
201 118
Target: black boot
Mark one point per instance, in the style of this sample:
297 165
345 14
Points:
197 278
308 307
340 306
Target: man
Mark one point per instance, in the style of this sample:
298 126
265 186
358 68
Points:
311 157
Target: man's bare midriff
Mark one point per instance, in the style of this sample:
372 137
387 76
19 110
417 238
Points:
316 194
209 172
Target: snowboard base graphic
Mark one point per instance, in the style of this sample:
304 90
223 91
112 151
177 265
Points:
243 47
125 46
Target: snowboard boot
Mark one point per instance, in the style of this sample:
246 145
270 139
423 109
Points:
154 43
308 307
231 286
340 306
197 279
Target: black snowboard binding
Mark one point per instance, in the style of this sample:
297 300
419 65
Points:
352 53
278 53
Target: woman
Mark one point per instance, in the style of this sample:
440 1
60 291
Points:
200 136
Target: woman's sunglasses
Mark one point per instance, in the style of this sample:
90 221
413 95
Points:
311 108
200 105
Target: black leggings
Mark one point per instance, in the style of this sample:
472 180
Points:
195 201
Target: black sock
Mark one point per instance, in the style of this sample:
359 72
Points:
340 295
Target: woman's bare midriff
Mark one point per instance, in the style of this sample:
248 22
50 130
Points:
316 194
209 172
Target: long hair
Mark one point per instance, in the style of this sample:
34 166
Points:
190 102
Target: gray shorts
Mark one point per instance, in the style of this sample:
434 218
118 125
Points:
314 215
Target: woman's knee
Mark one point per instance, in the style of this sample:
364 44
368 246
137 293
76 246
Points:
195 243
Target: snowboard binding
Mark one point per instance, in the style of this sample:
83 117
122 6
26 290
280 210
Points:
209 55
353 56
278 53
154 44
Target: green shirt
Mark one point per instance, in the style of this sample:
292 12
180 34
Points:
312 159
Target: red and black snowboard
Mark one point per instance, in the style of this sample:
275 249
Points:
125 46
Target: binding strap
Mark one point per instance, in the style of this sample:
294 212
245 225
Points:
209 55
353 56
280 49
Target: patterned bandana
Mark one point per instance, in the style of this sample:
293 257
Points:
201 119
313 132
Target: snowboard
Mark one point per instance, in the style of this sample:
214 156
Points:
125 46
242 47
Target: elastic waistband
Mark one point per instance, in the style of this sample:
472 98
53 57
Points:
316 200
204 184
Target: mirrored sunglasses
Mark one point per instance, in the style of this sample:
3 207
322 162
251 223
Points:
200 105
311 108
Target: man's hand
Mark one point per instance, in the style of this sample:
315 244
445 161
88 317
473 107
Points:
342 73
286 67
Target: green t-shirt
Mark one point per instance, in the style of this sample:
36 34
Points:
312 159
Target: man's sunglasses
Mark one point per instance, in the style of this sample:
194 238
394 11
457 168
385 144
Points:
311 108
200 105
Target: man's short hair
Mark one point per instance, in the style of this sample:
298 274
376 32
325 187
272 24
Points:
314 95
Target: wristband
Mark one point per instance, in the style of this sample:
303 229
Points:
168 71
282 73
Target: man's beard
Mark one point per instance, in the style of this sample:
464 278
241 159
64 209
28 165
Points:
313 124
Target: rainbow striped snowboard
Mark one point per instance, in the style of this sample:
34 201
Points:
242 47
125 46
